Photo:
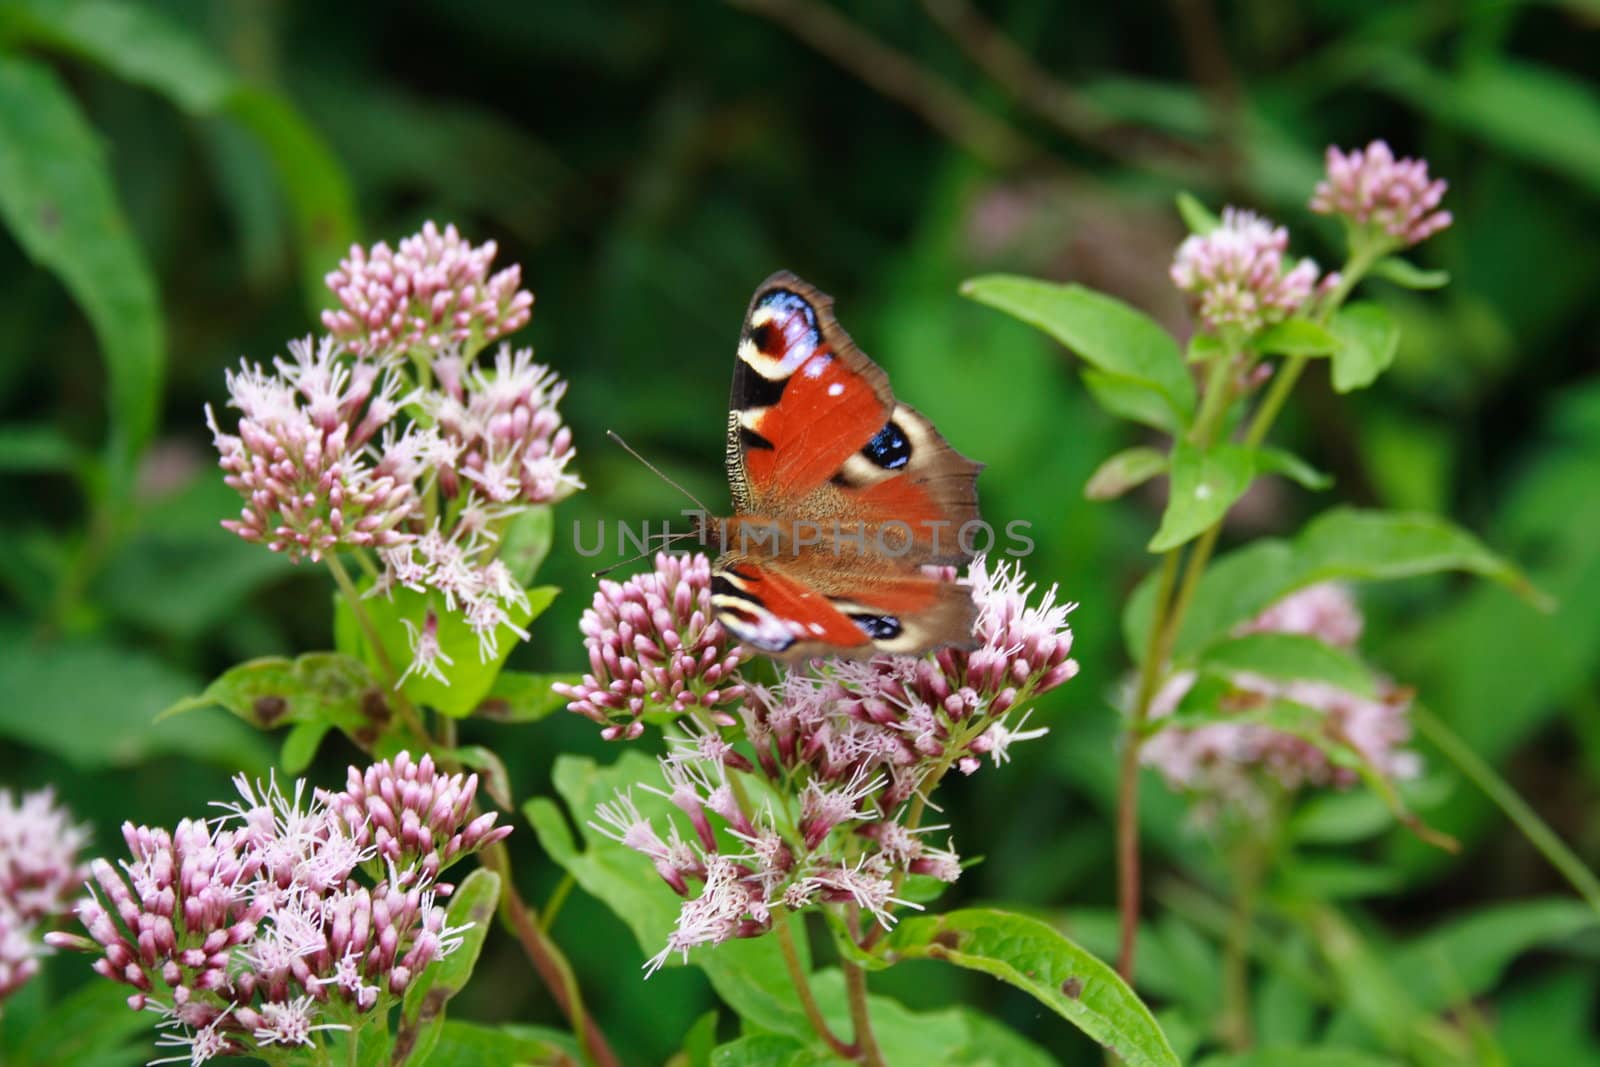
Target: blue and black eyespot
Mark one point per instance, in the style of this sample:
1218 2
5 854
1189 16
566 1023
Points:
878 627
783 304
889 448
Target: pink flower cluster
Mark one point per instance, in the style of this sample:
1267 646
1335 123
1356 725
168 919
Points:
511 445
308 459
1221 760
40 874
1369 187
855 746
1237 273
426 460
654 643
241 932
434 290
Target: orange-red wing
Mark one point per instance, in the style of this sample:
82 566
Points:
804 398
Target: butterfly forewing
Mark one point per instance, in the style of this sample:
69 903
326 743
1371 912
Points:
847 494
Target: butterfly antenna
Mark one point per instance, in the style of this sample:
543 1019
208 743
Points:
626 447
666 540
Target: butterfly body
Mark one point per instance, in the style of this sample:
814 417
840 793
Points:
849 505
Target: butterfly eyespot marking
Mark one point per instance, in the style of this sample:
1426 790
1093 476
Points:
889 447
878 627
764 336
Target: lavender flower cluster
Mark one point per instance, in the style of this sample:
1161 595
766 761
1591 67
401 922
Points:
821 802
290 914
39 876
1230 761
1238 275
387 434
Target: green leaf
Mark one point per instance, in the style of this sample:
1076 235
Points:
94 704
526 542
39 449
518 696
313 180
1296 337
1196 215
1339 818
1105 332
1281 461
144 47
491 772
472 908
1128 398
1289 657
1126 470
317 687
476 1045
1345 544
1035 958
1546 1016
300 745
770 1050
58 198
1408 275
1330 878
1368 340
1300 1056
1499 101
133 42
701 1040
470 678
1204 485
177 574
1466 957
91 1027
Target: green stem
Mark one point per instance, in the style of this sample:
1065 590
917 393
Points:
1235 1027
802 988
352 597
1497 789
1128 772
1218 398
558 897
855 985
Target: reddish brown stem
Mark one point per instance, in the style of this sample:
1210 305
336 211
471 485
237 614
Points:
554 970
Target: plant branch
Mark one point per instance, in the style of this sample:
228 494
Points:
899 77
1057 103
855 984
547 959
802 988
1235 1027
1128 773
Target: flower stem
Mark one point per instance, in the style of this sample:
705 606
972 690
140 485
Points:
1235 1027
1497 789
352 597
1167 619
1128 772
802 988
547 960
855 984
558 897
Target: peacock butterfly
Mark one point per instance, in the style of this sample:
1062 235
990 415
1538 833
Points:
850 509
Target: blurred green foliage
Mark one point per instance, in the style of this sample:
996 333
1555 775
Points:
176 176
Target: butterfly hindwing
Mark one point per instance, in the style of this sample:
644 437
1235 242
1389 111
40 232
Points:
818 443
